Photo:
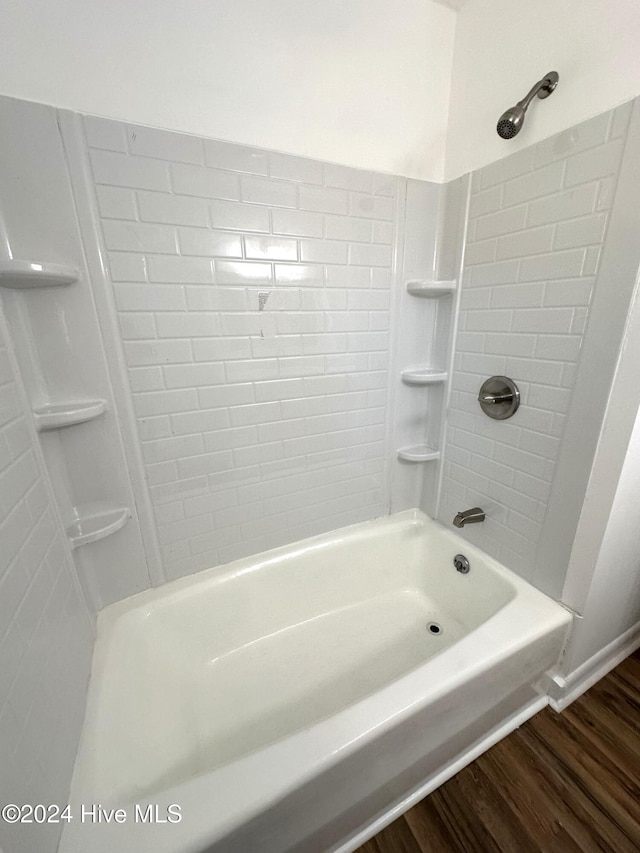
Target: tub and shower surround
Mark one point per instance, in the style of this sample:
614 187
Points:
46 627
46 632
426 303
537 226
253 292
55 318
203 696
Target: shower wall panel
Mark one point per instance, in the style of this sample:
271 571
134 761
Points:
538 221
253 292
46 635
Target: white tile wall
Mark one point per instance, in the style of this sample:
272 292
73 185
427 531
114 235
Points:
253 290
45 634
537 223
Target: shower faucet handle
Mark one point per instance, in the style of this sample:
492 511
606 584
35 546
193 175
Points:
499 397
495 398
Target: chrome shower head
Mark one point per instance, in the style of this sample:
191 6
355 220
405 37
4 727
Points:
510 122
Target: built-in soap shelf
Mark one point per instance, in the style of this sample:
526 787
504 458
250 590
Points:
93 521
58 415
418 453
423 376
25 275
431 287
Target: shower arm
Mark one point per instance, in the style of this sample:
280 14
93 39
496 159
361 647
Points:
543 88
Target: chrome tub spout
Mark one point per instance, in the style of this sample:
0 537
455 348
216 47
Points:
469 516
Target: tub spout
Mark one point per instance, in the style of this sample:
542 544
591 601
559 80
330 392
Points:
469 516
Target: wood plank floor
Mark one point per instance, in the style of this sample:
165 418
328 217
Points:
562 783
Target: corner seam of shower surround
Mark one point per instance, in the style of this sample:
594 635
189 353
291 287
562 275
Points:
76 150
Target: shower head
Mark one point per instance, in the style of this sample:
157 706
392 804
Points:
511 121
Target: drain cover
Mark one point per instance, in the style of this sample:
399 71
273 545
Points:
434 628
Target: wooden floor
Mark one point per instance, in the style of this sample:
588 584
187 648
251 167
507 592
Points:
562 783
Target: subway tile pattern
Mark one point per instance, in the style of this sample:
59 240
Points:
253 290
45 634
536 227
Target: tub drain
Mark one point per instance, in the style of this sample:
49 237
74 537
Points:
434 628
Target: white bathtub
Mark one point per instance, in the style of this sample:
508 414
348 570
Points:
298 700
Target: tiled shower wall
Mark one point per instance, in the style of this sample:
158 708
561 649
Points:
253 291
45 634
537 224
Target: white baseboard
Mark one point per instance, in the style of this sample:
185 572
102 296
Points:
513 721
564 689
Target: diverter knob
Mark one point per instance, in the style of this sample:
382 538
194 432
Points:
499 397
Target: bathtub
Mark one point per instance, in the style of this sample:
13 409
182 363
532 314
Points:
301 699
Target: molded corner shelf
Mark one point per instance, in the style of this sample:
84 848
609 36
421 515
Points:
23 275
430 288
423 376
93 521
58 415
418 453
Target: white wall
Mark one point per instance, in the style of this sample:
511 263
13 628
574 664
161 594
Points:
604 572
503 46
613 602
364 83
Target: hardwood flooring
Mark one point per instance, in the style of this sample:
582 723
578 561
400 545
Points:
561 783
